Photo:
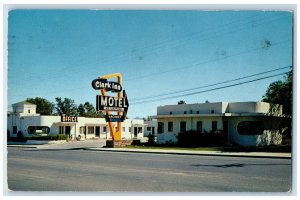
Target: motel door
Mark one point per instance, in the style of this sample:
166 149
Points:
64 129
135 132
68 130
97 131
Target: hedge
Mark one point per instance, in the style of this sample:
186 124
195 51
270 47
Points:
197 139
48 137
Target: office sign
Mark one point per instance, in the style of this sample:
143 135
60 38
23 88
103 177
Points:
100 83
65 118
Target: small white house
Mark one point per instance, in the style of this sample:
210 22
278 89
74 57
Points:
24 119
244 123
150 127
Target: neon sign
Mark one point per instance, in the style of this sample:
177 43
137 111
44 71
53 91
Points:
117 104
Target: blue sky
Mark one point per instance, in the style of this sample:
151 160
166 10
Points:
57 53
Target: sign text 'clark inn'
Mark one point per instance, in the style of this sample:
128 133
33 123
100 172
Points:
101 83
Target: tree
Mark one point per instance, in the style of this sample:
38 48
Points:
43 106
87 110
181 102
66 106
280 92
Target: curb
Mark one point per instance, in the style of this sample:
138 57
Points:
195 154
179 152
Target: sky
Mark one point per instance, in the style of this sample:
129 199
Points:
58 53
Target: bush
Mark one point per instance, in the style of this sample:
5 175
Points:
8 135
62 137
151 139
198 139
49 137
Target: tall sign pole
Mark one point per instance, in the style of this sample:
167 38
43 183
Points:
117 104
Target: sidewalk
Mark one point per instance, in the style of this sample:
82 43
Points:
97 145
199 153
36 142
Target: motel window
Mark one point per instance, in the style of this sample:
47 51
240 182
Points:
212 111
28 110
199 126
191 111
104 129
123 129
38 130
197 112
129 129
170 126
214 125
149 128
91 130
61 130
250 128
15 129
171 113
140 129
160 127
182 126
82 130
184 112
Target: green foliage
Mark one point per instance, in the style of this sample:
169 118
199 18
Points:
197 139
280 92
88 110
66 106
43 106
181 102
48 137
151 139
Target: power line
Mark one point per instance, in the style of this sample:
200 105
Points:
203 62
167 71
214 84
210 35
183 40
209 90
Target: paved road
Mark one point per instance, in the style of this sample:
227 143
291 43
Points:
32 169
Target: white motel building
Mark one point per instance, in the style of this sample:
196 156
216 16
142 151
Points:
243 123
25 119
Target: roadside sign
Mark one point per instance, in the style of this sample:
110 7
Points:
109 103
118 105
100 83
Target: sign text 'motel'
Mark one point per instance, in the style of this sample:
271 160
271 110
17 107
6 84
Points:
101 83
108 103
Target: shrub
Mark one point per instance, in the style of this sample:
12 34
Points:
49 137
8 135
194 139
62 137
151 139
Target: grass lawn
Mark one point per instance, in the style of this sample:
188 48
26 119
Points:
223 149
176 148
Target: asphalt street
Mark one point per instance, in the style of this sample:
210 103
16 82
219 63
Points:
33 169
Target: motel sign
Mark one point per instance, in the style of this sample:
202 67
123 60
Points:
118 105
